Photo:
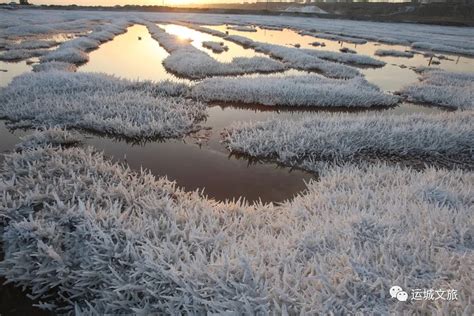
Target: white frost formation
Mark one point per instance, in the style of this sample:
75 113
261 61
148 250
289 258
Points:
442 48
32 44
335 37
21 54
303 59
350 59
100 103
49 137
188 61
393 52
242 28
342 137
54 65
112 241
75 50
309 90
297 58
216 47
442 88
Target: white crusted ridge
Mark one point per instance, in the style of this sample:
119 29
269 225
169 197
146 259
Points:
75 50
188 61
32 44
303 59
54 66
112 241
335 37
361 60
242 28
442 88
393 52
307 90
297 58
49 137
442 48
21 54
216 47
342 137
100 103
351 59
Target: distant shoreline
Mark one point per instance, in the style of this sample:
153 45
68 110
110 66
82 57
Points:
434 13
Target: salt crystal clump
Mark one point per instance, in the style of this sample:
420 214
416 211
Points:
100 103
188 61
393 52
342 137
309 90
216 47
87 235
49 137
54 66
442 88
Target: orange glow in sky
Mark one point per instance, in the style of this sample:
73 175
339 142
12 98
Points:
123 2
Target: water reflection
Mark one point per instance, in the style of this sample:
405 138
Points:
198 37
391 77
9 70
133 55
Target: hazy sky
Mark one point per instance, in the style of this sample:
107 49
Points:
123 2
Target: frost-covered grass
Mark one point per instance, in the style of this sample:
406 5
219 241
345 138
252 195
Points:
270 27
42 23
54 65
335 37
21 54
66 55
303 59
343 137
82 43
32 44
188 61
94 237
100 103
442 48
242 28
75 50
49 137
442 88
393 52
351 59
216 47
298 58
310 90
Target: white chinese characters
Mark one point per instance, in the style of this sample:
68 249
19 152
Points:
424 294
